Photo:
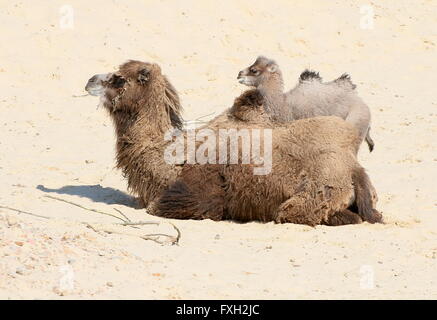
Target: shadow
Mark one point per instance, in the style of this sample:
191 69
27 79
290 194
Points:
96 193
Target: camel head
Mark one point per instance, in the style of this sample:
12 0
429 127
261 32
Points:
259 72
128 83
137 87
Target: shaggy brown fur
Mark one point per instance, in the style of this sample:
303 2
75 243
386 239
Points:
250 107
310 183
142 111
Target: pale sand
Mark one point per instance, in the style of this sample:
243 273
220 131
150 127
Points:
55 144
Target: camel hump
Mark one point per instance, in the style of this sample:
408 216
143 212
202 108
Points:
346 81
251 98
310 75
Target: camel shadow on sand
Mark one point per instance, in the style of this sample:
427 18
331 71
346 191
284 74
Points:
96 193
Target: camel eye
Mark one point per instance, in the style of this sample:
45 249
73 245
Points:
254 71
117 81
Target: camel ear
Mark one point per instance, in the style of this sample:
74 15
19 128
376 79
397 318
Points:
272 68
143 76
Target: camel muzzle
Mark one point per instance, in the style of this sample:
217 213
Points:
96 84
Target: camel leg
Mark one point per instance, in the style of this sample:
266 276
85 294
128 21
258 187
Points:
197 194
343 218
376 217
301 211
365 196
180 201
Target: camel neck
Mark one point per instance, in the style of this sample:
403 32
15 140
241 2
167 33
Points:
273 96
140 149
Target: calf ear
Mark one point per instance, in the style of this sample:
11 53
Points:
272 67
143 76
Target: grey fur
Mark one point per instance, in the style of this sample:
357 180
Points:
309 98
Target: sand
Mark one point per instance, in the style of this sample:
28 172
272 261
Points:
55 143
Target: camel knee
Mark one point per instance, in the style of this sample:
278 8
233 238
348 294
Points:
375 217
344 217
298 211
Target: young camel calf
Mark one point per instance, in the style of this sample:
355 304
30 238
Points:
309 98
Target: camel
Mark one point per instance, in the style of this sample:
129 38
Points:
249 107
309 98
310 183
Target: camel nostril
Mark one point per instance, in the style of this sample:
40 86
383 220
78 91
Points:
92 79
240 74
